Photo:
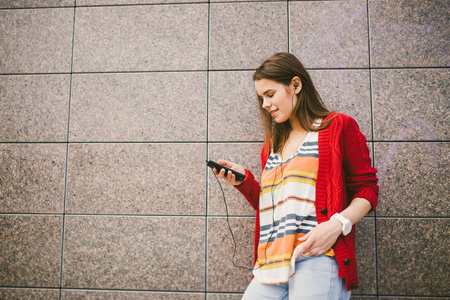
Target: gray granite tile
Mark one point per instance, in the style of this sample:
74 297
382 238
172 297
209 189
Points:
128 295
233 114
141 38
35 3
136 253
136 179
356 297
34 294
30 251
365 254
411 104
223 296
222 275
329 34
409 298
348 92
36 40
246 155
32 178
409 33
413 257
212 1
413 178
34 108
133 2
242 35
139 107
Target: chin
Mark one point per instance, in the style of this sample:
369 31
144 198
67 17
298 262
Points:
279 121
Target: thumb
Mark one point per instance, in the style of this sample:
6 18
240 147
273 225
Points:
225 163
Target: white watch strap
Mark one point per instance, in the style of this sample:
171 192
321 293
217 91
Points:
346 224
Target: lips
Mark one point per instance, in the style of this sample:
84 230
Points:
272 112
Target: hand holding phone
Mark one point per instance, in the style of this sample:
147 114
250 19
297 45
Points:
218 167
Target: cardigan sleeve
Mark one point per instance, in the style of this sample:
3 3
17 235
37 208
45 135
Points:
250 189
361 179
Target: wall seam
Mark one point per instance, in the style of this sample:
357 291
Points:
373 145
61 277
223 70
207 150
288 3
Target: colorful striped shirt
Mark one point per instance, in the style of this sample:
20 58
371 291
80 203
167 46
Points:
287 209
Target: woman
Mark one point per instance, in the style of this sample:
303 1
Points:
317 182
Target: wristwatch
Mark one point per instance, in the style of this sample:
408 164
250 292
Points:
346 224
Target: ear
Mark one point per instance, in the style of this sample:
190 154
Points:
296 84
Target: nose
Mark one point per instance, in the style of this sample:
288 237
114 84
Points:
266 104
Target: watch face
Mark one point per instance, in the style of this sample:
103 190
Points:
346 228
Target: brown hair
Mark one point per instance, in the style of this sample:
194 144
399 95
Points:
282 67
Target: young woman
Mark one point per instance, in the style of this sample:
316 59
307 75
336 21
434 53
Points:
317 183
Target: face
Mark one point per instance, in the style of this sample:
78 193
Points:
276 98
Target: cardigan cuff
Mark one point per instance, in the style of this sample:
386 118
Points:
247 185
369 195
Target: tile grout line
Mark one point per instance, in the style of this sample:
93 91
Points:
204 142
288 3
61 278
207 151
141 4
209 216
373 143
221 70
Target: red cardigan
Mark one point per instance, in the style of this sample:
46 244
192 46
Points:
345 172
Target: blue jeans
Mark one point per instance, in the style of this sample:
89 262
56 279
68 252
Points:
315 277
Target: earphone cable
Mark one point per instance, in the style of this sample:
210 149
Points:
229 227
273 221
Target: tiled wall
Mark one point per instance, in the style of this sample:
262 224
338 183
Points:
109 108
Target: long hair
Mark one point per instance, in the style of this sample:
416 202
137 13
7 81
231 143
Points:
282 67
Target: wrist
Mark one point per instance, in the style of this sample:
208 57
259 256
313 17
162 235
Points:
337 225
346 225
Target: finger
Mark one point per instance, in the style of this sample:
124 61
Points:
305 237
297 253
300 249
313 252
225 163
230 176
233 178
225 175
306 246
222 174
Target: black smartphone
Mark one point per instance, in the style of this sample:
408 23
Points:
218 167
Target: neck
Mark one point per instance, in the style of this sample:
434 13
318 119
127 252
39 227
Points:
297 128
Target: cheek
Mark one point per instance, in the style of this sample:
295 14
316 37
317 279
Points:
278 99
283 102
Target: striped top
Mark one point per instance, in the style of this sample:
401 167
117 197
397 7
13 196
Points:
290 186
